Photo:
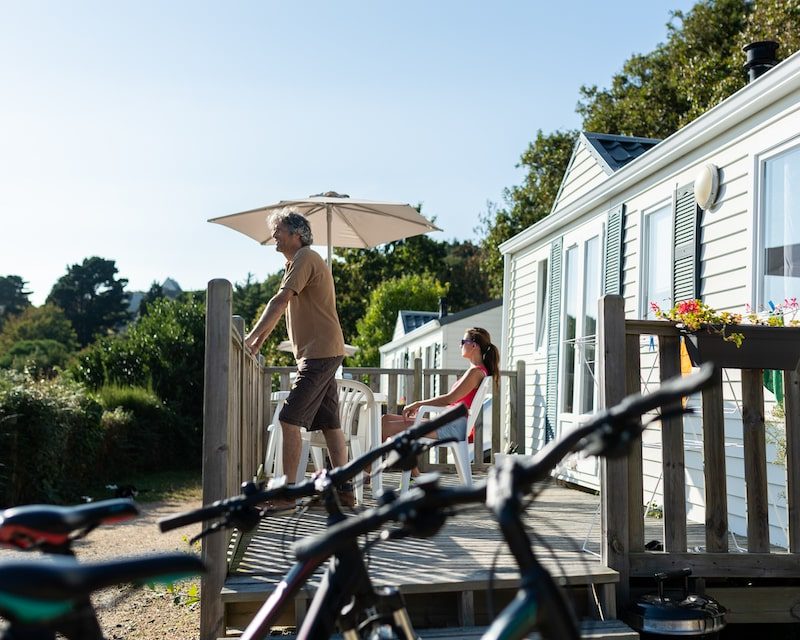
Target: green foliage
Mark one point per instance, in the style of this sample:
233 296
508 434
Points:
545 160
47 322
417 292
164 351
42 358
139 432
657 93
50 439
357 272
92 298
13 297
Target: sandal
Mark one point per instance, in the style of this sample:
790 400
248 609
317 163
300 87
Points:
278 508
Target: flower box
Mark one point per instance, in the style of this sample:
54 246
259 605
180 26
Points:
762 348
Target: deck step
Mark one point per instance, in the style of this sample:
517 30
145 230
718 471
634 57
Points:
590 630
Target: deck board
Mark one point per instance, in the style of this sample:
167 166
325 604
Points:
465 554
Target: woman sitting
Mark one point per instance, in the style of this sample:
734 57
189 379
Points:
484 359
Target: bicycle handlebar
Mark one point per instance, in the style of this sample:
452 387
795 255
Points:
620 421
342 474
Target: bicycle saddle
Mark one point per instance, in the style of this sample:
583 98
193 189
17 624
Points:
42 590
31 525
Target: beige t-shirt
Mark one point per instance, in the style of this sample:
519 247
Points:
311 317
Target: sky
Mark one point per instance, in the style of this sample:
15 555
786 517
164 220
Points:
125 126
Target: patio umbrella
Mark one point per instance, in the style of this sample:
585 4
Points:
337 220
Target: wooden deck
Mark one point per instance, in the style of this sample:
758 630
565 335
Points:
445 579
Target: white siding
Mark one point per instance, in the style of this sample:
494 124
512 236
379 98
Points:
583 174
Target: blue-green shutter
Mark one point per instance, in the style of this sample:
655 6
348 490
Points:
553 330
686 246
615 237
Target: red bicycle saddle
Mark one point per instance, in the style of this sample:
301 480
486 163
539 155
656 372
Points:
28 526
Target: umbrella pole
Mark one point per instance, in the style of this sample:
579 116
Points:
329 220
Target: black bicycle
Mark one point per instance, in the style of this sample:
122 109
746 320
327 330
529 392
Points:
42 597
540 603
346 593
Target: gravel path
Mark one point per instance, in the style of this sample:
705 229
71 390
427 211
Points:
146 613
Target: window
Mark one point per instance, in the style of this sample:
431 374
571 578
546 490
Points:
657 260
541 303
581 291
591 294
781 228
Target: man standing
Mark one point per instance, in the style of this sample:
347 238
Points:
308 298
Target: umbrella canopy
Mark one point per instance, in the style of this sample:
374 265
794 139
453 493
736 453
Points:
337 221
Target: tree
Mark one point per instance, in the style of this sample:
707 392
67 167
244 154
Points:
13 297
155 292
657 93
357 272
47 322
545 160
420 292
92 298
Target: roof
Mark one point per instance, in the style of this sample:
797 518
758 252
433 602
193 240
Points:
414 319
479 308
613 152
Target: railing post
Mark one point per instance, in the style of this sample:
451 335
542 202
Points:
417 380
215 448
614 473
792 405
518 408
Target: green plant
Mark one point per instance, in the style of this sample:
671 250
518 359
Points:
50 439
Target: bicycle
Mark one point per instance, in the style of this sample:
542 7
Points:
540 604
376 608
40 598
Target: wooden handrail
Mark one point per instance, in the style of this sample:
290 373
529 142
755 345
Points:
622 540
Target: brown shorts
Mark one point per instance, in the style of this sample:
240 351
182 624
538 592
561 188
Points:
313 400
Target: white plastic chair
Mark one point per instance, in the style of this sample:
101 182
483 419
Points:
460 449
355 399
273 460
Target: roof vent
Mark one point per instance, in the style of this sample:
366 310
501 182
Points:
442 307
761 57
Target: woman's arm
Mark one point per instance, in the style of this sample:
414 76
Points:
461 388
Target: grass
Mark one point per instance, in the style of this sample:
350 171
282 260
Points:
157 486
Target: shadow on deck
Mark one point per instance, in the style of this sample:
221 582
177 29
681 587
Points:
462 576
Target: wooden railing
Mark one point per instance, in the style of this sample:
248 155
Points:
237 409
622 480
419 383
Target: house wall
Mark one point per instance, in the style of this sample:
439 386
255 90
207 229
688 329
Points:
584 173
728 273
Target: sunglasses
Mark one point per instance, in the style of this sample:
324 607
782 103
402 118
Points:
463 342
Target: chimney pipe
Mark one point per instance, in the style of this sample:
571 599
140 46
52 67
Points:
761 57
442 307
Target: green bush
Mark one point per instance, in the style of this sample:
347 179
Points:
50 439
140 432
40 357
162 351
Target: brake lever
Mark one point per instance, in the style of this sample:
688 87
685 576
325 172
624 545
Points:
221 524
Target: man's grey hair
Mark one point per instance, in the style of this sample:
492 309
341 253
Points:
294 222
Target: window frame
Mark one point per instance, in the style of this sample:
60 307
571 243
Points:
668 204
786 147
